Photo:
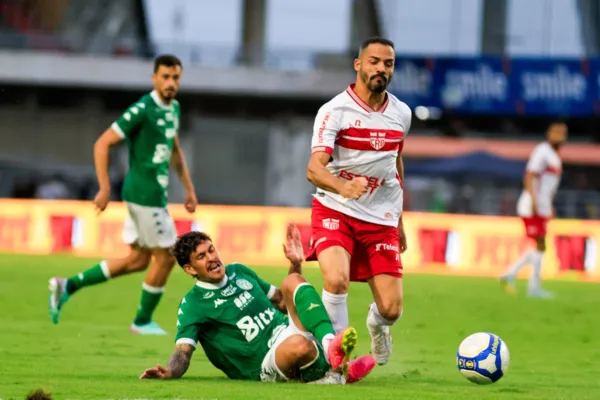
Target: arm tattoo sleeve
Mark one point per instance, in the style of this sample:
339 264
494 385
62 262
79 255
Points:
180 360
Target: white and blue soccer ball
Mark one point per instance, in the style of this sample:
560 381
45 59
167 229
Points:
483 358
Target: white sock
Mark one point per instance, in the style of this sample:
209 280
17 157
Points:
525 259
375 320
536 262
336 307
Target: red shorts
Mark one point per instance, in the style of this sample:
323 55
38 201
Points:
535 227
375 249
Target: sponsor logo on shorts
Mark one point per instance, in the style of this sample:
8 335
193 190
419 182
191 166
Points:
244 284
386 247
331 224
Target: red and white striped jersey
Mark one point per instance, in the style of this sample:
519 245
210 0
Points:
363 142
546 164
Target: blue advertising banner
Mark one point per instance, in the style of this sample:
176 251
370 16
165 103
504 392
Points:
413 82
475 85
490 85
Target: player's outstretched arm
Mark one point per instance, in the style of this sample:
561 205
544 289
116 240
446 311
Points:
178 364
294 252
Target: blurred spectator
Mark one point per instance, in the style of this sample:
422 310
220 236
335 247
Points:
53 188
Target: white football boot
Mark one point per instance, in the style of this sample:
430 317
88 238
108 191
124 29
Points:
381 343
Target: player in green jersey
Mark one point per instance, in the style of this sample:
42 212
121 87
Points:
150 128
252 330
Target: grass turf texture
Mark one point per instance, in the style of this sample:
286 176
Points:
555 346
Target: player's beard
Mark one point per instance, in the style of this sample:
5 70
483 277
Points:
371 83
169 93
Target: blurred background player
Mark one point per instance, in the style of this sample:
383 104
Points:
150 129
357 167
535 206
239 320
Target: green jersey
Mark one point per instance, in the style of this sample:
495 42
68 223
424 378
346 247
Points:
234 321
149 127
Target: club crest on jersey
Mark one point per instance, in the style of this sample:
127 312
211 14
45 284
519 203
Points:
331 224
244 284
228 291
377 140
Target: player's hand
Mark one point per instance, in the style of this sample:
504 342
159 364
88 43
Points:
157 372
101 200
190 202
355 188
292 248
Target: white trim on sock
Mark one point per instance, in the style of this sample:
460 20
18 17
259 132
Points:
105 270
152 289
296 290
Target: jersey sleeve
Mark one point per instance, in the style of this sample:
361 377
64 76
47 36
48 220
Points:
266 287
188 325
537 161
325 130
130 121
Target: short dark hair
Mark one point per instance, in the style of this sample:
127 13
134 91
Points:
168 60
186 244
376 40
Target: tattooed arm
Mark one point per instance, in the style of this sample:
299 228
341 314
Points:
178 364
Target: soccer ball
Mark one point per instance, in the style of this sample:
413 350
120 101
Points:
482 358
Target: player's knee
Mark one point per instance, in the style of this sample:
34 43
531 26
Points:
302 349
391 310
291 282
336 284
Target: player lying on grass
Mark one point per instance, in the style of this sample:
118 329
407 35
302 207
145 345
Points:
240 322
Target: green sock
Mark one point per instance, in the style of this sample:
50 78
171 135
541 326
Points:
312 312
148 302
97 274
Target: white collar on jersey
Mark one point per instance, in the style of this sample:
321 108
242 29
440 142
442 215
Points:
159 102
213 286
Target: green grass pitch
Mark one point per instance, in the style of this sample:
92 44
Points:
555 345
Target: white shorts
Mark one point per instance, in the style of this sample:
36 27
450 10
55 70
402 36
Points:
149 227
269 371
